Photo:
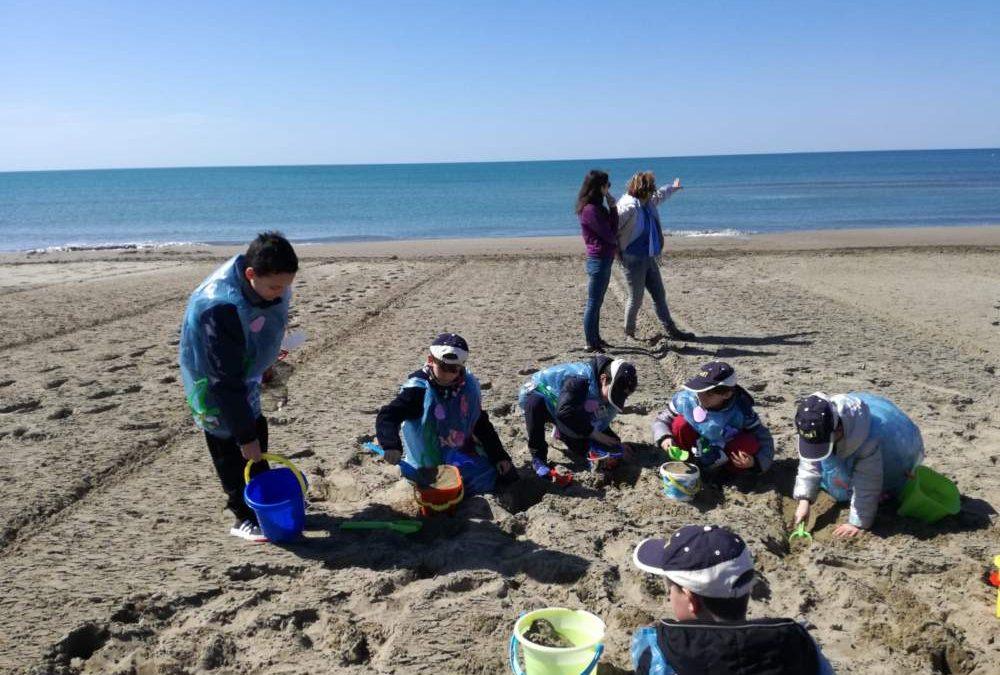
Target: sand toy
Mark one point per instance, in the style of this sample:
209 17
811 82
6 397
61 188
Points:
800 532
681 481
401 526
408 471
928 496
278 497
539 631
444 494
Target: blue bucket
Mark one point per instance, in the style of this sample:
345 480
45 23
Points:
277 496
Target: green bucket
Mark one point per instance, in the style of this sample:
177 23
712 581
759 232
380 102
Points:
580 627
928 496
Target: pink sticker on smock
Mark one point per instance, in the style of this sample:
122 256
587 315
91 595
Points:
257 324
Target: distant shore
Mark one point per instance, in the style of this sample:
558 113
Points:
986 236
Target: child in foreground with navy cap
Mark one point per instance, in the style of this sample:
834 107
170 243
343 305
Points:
859 447
439 411
713 417
710 573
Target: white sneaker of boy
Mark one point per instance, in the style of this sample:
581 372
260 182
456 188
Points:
248 530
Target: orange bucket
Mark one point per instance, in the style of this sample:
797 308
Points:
444 494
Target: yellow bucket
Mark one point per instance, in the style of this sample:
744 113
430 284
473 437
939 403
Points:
580 627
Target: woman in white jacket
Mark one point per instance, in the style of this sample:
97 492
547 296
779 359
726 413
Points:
858 447
640 243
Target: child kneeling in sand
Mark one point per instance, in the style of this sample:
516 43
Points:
858 447
581 400
232 332
713 418
439 411
710 573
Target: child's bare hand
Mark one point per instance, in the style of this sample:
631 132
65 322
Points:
667 443
393 457
846 531
677 184
742 460
802 512
251 451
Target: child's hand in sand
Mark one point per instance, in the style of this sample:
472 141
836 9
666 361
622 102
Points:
846 531
802 512
251 451
393 457
741 460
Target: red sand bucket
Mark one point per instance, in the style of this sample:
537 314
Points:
444 494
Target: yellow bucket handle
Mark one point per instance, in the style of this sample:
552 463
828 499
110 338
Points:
690 493
280 460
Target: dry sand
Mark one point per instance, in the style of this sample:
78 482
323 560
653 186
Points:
115 552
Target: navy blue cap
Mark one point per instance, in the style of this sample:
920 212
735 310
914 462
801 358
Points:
705 559
712 375
816 420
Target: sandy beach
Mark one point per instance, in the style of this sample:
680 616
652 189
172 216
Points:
114 550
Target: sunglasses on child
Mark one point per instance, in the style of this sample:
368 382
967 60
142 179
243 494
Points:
448 367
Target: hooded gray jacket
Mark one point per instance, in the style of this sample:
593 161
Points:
866 449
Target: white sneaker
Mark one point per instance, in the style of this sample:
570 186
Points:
248 530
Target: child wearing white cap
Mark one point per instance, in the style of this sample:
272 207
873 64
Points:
580 400
437 418
710 573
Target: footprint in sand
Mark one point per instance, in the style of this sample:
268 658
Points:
56 382
104 393
6 383
60 413
25 405
132 388
101 408
139 352
167 379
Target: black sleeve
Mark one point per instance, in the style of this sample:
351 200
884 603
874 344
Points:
225 348
408 405
570 414
486 434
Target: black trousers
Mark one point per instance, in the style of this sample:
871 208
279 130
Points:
229 465
536 416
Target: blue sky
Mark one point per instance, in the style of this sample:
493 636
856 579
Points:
128 84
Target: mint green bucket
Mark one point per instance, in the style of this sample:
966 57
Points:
580 627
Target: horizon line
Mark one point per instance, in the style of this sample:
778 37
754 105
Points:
490 161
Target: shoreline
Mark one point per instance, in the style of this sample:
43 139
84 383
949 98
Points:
982 236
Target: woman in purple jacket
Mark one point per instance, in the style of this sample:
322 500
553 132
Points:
599 226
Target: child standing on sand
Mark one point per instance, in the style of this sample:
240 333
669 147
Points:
713 417
439 411
232 332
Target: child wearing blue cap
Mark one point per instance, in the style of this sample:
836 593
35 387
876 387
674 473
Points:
437 418
709 573
859 447
713 418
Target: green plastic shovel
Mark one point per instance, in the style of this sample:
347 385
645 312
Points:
800 533
401 526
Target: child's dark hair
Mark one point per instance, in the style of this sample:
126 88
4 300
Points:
270 253
727 609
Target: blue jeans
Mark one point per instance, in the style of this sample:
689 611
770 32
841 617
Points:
642 273
599 274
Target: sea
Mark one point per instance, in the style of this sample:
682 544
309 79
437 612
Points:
732 195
